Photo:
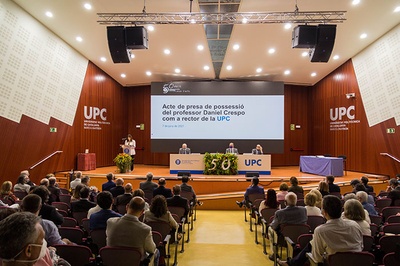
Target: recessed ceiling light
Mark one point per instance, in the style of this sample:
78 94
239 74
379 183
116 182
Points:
148 73
304 54
132 56
229 67
177 70
193 21
150 28
236 47
49 14
123 75
206 67
258 70
313 74
287 72
244 20
88 6
363 36
103 59
271 50
355 2
200 47
167 51
79 39
397 9
335 57
288 26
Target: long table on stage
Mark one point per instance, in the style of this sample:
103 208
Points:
194 163
321 165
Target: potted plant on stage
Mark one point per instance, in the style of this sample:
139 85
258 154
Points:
123 162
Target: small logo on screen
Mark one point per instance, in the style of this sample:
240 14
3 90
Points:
177 162
171 87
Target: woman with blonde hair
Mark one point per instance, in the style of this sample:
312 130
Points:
319 197
310 200
323 188
353 210
6 194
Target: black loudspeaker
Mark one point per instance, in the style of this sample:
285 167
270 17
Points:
117 44
325 40
184 173
304 36
136 38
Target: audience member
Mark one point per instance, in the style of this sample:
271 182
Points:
394 194
76 194
148 185
125 198
323 188
326 236
32 203
128 231
270 202
44 182
93 191
332 187
318 203
178 201
109 184
21 184
54 190
119 188
47 211
188 188
76 181
159 212
310 200
353 210
362 196
354 183
349 196
368 188
161 189
283 190
295 188
83 204
292 214
6 193
29 182
360 187
254 188
5 212
140 193
99 219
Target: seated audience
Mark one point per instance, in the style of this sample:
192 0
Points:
76 181
76 194
109 184
254 188
332 187
360 187
353 210
21 184
325 239
6 193
83 204
44 182
295 188
323 188
119 188
140 193
92 189
188 188
98 220
394 194
283 190
29 182
349 196
128 231
310 200
178 201
125 198
318 203
54 190
159 212
368 188
292 214
362 196
47 211
354 183
162 190
148 185
270 202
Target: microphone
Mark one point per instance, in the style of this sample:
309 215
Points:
123 139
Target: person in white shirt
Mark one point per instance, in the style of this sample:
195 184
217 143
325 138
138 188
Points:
131 144
353 210
76 181
310 201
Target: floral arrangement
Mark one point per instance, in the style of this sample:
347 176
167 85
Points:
220 164
123 162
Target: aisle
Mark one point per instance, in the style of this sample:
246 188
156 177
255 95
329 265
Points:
222 238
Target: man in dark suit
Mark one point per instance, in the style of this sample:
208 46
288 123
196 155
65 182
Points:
148 185
162 190
82 205
178 201
54 191
394 194
47 212
184 149
125 198
332 187
231 149
109 184
292 214
119 188
257 150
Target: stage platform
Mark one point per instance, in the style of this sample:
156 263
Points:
221 191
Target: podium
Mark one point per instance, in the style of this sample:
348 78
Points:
126 149
86 161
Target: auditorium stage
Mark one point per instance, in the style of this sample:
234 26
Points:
221 191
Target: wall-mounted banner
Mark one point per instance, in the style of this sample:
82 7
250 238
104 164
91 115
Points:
95 118
341 117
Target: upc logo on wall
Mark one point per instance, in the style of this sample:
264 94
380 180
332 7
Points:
341 117
95 118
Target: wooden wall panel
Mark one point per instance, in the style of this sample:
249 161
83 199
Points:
360 143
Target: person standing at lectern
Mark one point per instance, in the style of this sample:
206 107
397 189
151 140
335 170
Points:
184 149
257 150
131 143
231 149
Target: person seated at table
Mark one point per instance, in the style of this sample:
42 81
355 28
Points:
184 149
231 149
257 150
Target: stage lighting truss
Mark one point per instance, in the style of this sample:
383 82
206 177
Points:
315 17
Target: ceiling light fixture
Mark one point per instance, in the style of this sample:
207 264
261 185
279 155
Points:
177 70
355 2
123 75
287 72
103 59
150 28
148 73
229 67
79 39
271 50
363 36
236 47
313 74
200 47
259 70
88 6
288 26
206 67
49 14
335 57
397 9
304 54
167 51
